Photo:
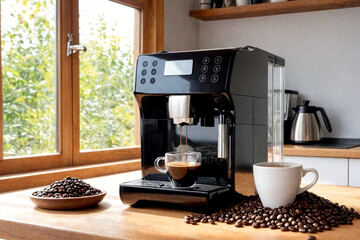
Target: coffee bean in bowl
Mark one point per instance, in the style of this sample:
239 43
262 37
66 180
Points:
66 194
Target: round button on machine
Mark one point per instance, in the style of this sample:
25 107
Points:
206 60
153 71
214 78
218 60
216 68
143 72
204 68
155 63
143 81
145 63
202 78
152 80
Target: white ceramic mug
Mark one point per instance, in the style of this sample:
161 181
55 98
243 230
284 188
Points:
278 183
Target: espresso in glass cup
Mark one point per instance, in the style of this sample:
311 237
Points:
182 169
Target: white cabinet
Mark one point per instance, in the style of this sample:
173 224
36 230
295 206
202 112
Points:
354 172
332 171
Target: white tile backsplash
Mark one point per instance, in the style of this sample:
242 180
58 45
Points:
322 57
354 172
331 170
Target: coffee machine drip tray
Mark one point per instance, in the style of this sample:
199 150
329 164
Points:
199 198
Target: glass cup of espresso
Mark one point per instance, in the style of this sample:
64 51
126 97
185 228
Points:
182 168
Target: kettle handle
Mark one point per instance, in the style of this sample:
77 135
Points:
325 117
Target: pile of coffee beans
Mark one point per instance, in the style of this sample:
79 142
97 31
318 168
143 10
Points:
308 214
68 187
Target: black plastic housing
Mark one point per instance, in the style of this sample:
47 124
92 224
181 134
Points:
234 84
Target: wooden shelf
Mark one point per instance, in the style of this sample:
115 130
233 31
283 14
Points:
266 9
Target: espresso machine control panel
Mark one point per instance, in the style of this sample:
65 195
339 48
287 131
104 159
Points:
179 72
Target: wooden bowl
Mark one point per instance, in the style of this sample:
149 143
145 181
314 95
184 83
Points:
70 203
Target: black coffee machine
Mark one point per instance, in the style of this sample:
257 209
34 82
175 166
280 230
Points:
227 97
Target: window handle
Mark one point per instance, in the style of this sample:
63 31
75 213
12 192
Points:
73 48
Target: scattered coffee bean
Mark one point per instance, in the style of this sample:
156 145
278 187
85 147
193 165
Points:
308 214
273 227
238 224
293 229
256 225
283 228
327 227
67 187
311 237
323 222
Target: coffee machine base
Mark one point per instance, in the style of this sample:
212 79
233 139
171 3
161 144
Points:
200 198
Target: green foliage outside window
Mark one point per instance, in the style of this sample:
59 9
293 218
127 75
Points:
29 83
106 82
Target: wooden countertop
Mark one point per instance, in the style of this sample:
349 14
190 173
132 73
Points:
20 219
298 150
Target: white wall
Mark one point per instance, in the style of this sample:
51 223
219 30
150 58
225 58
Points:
321 49
322 54
180 31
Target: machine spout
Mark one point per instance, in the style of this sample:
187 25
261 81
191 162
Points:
179 109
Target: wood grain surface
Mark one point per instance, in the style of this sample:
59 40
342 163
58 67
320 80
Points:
20 219
266 9
297 150
34 179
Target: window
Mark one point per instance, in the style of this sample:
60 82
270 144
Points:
61 110
28 49
106 75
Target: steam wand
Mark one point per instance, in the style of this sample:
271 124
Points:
223 140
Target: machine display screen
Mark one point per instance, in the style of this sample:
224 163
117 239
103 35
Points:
180 67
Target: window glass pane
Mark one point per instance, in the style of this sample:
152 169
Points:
106 75
28 50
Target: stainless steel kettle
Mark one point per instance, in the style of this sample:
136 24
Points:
306 128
